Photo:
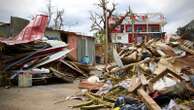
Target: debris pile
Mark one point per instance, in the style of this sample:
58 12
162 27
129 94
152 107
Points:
150 76
29 53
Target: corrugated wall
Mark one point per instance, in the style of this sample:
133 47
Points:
86 47
91 49
17 25
5 31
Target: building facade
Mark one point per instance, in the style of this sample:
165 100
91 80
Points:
138 27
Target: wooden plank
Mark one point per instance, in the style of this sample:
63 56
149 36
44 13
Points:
151 104
153 80
175 75
72 66
129 65
65 77
161 71
135 83
143 79
117 58
187 49
166 67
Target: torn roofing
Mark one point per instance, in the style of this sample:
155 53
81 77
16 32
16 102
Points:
33 31
69 33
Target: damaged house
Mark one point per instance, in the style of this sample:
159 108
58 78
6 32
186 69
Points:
83 46
38 53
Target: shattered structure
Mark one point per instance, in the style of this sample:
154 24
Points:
28 53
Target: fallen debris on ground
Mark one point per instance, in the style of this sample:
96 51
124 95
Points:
150 76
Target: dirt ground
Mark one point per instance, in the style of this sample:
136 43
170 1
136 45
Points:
38 97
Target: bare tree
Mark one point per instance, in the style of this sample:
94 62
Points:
58 20
55 16
99 19
49 12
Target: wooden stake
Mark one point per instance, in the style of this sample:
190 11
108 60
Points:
152 105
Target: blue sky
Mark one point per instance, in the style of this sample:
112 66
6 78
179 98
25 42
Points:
76 16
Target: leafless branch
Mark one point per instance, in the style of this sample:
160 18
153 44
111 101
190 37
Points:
96 24
99 19
120 20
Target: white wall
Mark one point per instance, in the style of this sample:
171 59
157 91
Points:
120 38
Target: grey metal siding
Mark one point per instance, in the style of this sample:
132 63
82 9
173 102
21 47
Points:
17 25
4 31
86 47
91 49
81 49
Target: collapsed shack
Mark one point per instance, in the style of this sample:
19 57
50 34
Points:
28 58
39 59
151 76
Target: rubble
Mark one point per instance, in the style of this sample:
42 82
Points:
155 73
30 53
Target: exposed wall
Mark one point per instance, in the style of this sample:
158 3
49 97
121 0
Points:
72 42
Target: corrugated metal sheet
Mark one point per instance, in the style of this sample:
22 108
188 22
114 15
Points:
33 31
5 30
17 25
91 49
86 47
81 48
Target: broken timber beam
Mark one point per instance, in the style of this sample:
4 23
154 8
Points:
135 83
151 104
129 65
